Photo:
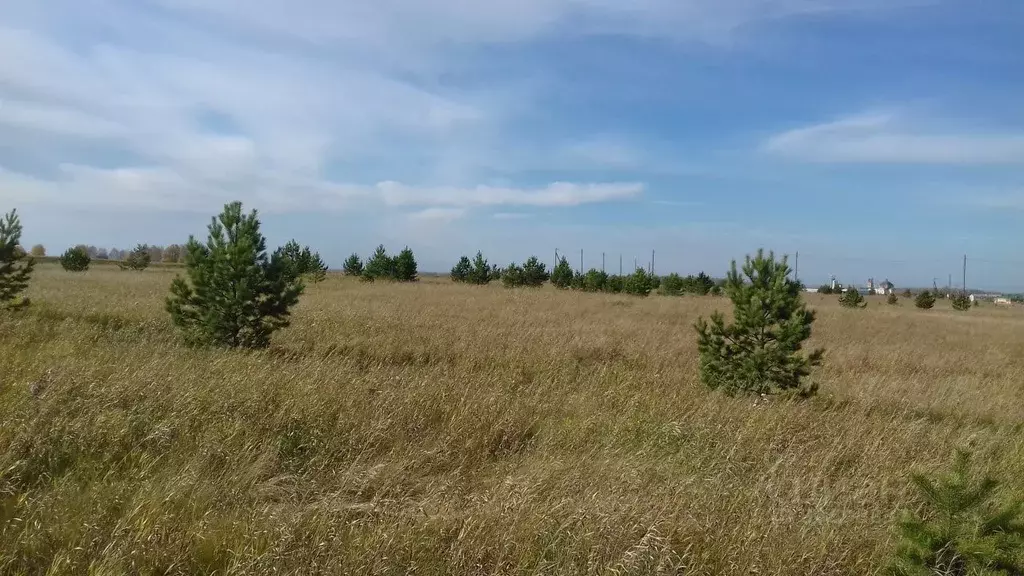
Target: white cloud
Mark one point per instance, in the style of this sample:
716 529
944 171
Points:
510 215
882 138
301 104
556 194
444 215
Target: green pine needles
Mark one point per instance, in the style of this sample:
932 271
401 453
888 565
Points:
15 265
852 298
925 300
760 352
962 531
234 295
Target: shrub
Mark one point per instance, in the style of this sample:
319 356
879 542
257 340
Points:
962 531
925 300
480 273
852 298
655 281
671 285
577 281
353 266
615 284
562 274
595 280
405 266
15 266
892 300
75 259
495 272
534 272
907 293
700 285
760 352
961 302
638 283
825 289
461 271
380 265
137 259
235 296
301 262
512 277
38 251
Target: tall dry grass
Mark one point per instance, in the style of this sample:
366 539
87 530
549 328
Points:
443 429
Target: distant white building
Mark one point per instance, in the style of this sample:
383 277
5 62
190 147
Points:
884 288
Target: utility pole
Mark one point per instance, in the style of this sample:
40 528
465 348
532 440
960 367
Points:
652 262
602 261
581 261
634 264
620 264
556 259
965 274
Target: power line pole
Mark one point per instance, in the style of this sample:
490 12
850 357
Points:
634 264
652 262
556 259
620 264
602 261
581 261
965 273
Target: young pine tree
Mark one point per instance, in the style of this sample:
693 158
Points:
512 277
405 266
962 531
353 266
892 299
961 301
380 265
671 285
462 270
234 295
137 259
595 280
15 266
75 259
480 273
534 272
760 352
639 283
925 300
562 274
852 298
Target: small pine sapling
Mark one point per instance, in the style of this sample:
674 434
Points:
562 274
480 273
353 266
852 298
925 300
15 265
671 285
892 299
138 259
962 531
233 294
75 259
961 301
639 283
534 272
761 351
461 271
405 269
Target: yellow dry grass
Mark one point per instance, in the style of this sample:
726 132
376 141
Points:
443 429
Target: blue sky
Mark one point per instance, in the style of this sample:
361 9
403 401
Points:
878 138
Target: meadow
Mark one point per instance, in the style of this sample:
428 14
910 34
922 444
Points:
434 428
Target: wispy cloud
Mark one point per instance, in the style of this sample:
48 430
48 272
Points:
883 138
511 215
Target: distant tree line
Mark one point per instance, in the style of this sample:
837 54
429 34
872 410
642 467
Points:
383 266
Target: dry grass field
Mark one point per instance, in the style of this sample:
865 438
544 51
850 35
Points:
445 429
